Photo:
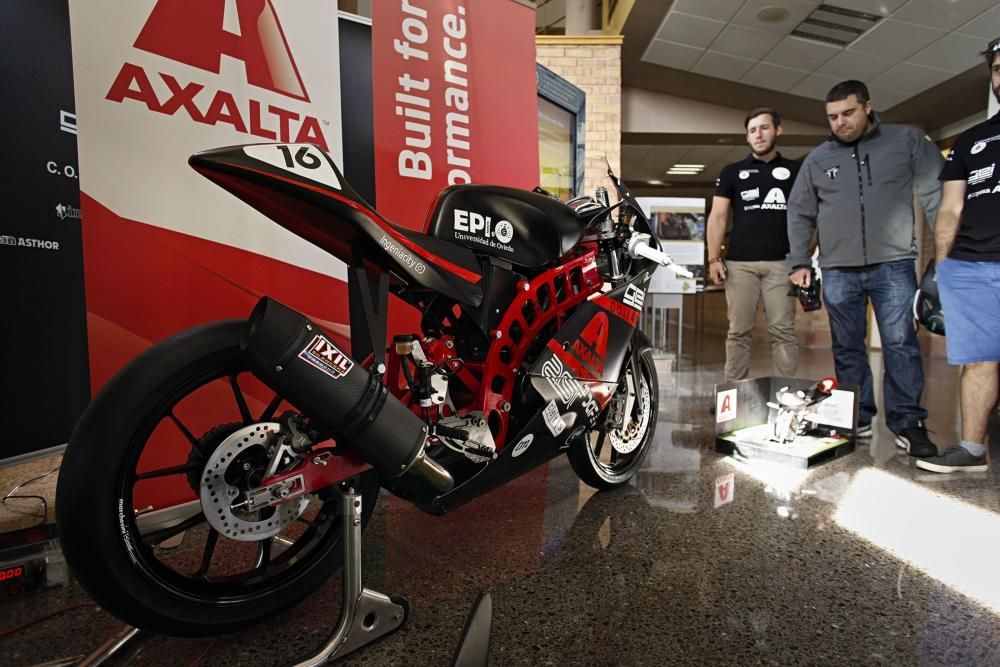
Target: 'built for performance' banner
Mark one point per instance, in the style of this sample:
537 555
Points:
455 99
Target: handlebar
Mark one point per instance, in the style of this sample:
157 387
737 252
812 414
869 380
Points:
638 246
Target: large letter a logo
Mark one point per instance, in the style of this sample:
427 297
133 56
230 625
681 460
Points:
192 32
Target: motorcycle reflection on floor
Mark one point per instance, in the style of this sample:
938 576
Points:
246 438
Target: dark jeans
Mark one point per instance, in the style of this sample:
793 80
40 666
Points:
891 287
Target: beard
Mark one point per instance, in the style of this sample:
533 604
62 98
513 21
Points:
767 148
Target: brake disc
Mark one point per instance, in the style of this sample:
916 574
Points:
629 436
222 494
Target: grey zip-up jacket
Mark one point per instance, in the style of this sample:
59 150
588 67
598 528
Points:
860 197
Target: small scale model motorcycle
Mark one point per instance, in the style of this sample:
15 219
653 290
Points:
795 416
204 487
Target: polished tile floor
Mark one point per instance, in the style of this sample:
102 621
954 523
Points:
864 560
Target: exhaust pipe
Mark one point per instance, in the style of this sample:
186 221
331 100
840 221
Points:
293 356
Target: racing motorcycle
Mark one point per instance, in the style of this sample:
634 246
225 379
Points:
203 488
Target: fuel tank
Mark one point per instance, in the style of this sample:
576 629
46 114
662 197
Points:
525 228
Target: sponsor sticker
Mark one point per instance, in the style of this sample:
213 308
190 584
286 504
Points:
553 419
522 445
634 296
321 353
482 229
979 175
67 121
403 255
744 175
304 160
832 172
63 212
781 173
977 147
725 406
750 195
34 244
725 487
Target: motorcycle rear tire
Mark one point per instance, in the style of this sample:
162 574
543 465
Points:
585 457
123 575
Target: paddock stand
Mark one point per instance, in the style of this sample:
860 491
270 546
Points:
366 615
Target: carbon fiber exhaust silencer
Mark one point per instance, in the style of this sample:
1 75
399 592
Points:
293 356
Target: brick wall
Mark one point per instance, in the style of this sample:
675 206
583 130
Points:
593 64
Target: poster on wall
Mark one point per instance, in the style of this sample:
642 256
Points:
455 100
157 81
679 224
164 249
561 134
41 263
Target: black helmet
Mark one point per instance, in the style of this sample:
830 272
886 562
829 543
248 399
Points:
927 303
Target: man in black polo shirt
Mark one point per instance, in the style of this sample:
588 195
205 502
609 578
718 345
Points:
967 240
756 189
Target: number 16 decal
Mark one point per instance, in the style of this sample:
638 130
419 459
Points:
303 160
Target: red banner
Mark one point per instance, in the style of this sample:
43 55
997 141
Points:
455 100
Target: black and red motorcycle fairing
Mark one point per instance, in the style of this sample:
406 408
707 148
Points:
527 348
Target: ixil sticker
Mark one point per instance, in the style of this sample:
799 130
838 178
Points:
327 357
725 406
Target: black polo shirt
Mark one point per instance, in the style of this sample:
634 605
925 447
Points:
975 159
759 192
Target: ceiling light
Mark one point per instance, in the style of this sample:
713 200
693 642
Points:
655 181
772 14
835 25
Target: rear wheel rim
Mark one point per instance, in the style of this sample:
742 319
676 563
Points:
198 572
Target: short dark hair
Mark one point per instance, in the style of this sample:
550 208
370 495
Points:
845 89
760 111
992 49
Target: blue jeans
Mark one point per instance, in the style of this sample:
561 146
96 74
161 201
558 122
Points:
891 287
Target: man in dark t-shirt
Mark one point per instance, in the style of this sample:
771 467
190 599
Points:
967 241
756 190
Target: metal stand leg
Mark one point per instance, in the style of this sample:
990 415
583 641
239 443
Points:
366 615
109 648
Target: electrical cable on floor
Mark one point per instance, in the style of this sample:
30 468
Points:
13 631
204 654
13 495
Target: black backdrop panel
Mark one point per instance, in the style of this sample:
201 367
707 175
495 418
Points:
356 108
44 378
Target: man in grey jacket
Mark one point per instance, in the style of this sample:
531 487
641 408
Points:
857 189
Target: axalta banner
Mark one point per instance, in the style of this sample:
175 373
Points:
156 81
455 100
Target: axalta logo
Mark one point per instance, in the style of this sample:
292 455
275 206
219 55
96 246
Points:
483 229
775 199
198 33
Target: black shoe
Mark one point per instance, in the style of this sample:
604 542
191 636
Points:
955 459
914 439
864 431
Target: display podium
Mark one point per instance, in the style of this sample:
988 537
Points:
745 423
